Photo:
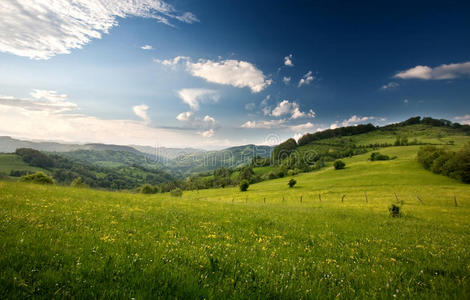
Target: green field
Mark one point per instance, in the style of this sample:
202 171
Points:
222 243
9 162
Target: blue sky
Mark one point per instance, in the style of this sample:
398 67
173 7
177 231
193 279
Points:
213 74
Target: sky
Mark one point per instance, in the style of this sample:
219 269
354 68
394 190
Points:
214 74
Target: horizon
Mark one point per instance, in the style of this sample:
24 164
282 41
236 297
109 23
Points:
189 74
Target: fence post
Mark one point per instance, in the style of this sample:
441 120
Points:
264 200
365 193
319 196
455 200
421 201
300 198
396 197
342 198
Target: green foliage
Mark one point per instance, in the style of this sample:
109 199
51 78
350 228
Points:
176 192
35 158
394 211
79 183
244 184
247 173
38 177
446 162
339 164
283 150
378 156
19 173
292 182
148 189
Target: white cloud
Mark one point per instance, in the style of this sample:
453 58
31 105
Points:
265 100
463 119
250 106
444 71
290 108
42 100
146 47
302 127
227 72
208 133
288 61
193 97
306 79
141 112
297 136
405 101
286 80
355 120
40 29
334 126
43 119
209 119
266 110
264 124
185 116
390 85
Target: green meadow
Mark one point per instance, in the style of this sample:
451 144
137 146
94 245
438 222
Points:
269 242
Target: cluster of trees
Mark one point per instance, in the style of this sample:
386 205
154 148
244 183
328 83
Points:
431 122
338 132
449 163
38 177
64 171
378 156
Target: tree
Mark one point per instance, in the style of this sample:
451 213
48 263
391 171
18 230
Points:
148 189
292 182
244 184
38 177
339 164
176 192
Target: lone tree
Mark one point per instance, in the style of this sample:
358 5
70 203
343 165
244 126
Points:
339 164
291 183
244 184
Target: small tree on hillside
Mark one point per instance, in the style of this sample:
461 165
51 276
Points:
38 177
292 182
244 184
339 164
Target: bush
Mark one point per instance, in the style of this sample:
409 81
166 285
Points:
148 189
378 156
394 211
78 182
339 164
38 177
176 192
291 183
244 184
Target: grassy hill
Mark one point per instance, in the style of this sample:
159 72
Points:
222 243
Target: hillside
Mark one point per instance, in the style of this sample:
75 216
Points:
263 243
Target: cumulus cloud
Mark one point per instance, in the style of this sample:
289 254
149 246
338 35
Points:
356 120
209 119
41 29
389 86
290 108
185 116
146 47
208 133
193 97
463 119
141 112
286 80
306 79
232 72
450 71
264 124
288 61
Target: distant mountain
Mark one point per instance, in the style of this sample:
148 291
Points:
167 153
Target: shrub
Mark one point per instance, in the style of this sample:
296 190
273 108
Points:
378 156
78 182
244 184
148 189
394 211
291 183
291 173
38 177
176 192
339 164
272 175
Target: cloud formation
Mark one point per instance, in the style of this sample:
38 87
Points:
146 47
306 79
389 86
450 71
463 119
291 108
141 112
264 124
232 72
185 116
286 80
193 97
41 29
41 101
288 61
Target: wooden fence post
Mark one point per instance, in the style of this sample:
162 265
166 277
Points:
300 198
455 200
365 193
264 200
319 196
419 199
342 198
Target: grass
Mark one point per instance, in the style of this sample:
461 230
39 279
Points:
9 162
223 243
